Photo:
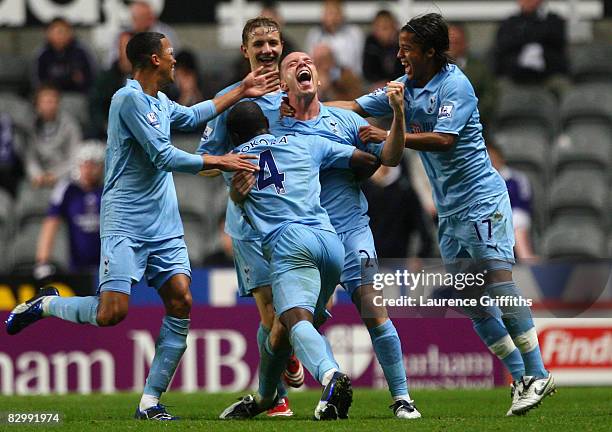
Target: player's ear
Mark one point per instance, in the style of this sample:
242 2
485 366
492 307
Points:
430 53
155 59
243 50
284 87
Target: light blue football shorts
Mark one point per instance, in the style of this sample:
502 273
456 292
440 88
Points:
360 260
306 264
482 232
126 259
252 269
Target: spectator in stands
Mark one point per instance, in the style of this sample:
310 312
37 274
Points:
76 203
380 63
53 142
395 214
104 87
519 190
270 10
531 47
336 82
224 255
63 61
345 40
476 70
143 18
187 79
11 167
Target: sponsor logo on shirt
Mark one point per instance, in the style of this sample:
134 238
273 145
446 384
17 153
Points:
445 111
206 134
152 119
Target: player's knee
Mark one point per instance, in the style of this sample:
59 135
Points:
111 315
180 306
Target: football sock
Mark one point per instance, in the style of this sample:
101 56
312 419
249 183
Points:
169 348
310 349
80 310
147 401
262 337
495 336
328 349
388 349
517 319
327 376
271 366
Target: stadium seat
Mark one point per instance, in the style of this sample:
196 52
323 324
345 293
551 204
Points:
192 194
20 109
31 202
591 63
584 146
525 146
6 226
580 192
14 73
528 106
187 142
23 255
198 244
588 103
568 239
76 104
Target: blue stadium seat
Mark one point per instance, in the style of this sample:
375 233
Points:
580 192
568 239
528 106
585 146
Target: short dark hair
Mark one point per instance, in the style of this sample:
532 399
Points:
245 121
142 46
431 31
257 22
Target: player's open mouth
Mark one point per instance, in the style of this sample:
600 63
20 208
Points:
267 61
304 76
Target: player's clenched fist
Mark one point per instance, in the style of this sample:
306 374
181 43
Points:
372 134
395 93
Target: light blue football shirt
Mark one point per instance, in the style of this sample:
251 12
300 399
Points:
341 193
464 174
139 199
216 141
287 188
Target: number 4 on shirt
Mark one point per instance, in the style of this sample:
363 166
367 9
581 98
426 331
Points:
266 160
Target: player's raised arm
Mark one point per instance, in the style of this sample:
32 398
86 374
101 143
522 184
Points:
348 105
392 151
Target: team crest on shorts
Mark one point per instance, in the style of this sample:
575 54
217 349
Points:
106 262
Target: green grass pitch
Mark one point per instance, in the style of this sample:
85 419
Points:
571 409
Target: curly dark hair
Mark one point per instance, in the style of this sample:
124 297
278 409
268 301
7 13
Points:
431 31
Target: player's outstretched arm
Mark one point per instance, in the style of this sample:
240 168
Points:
393 150
230 162
255 84
348 105
242 183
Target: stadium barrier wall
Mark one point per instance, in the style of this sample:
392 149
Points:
60 357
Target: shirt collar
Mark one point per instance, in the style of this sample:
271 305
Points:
133 84
436 81
323 113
